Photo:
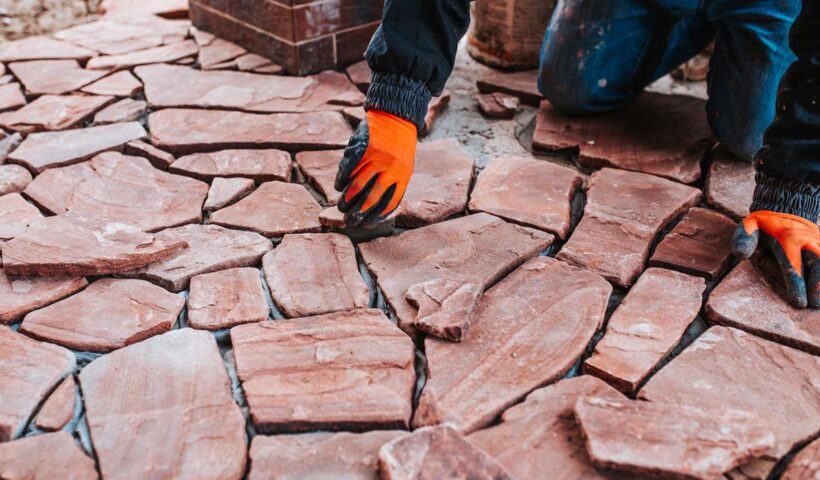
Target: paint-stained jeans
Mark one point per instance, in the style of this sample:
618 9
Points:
599 54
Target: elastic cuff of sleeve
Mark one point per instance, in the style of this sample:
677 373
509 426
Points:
786 196
398 95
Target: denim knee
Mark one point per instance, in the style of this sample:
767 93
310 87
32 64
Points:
572 93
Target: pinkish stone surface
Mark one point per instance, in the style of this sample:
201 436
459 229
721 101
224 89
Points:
332 218
227 298
523 85
806 465
13 179
354 115
624 213
119 84
126 110
434 109
55 77
11 97
217 52
317 372
320 170
158 158
42 48
251 62
20 295
225 191
165 53
53 112
58 408
8 144
260 165
53 190
360 73
16 215
125 33
173 415
51 455
497 104
445 307
162 8
730 184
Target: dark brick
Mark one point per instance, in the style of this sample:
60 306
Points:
271 17
347 14
350 45
313 56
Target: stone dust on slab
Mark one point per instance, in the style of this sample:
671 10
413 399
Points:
523 85
497 104
125 33
225 191
730 184
11 97
126 110
119 84
445 307
158 158
58 409
226 298
20 295
260 165
53 112
54 77
13 179
124 61
50 455
16 215
42 48
320 169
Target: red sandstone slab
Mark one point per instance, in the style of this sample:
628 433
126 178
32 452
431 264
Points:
54 77
624 213
42 48
11 97
523 85
165 53
225 191
312 274
665 135
497 104
251 62
20 295
162 8
227 298
434 109
13 179
448 250
16 215
210 248
218 52
173 415
125 33
319 372
51 455
126 110
53 112
320 170
29 370
185 130
158 158
730 184
53 190
119 84
354 115
8 144
260 165
804 466
58 409
332 218
360 73
445 307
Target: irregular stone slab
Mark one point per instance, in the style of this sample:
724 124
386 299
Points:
13 179
448 250
218 52
251 62
273 209
684 441
162 8
527 331
53 112
624 213
42 48
125 33
497 104
54 77
354 115
11 97
445 307
440 183
225 191
16 215
645 327
119 84
165 53
320 170
64 246
185 131
58 409
530 192
226 299
158 158
434 108
523 85
730 184
40 151
665 135
745 300
260 165
126 110
173 416
332 218
804 466
210 248
724 367
109 314
8 144
701 244
51 455
20 295
436 452
53 190
316 373
360 73
29 370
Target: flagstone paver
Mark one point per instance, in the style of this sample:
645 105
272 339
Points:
165 53
13 179
126 110
58 409
53 112
53 189
42 48
8 144
730 184
360 73
16 214
260 165
119 84
158 158
227 298
332 218
11 97
251 62
445 308
125 33
497 104
162 8
51 455
217 52
806 464
55 77
225 191
320 169
20 295
523 85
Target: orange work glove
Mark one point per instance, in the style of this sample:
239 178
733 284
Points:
795 243
376 168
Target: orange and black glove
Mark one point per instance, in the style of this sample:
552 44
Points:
376 168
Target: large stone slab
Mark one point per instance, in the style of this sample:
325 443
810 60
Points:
225 191
528 331
523 85
54 77
42 48
165 53
311 274
260 165
645 327
29 370
53 112
185 130
624 213
53 190
58 409
13 179
805 465
51 455
11 97
16 215
125 33
730 184
172 416
341 371
320 169
227 298
126 110
20 295
665 135
448 250
119 84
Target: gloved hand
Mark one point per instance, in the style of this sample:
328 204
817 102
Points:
376 168
795 243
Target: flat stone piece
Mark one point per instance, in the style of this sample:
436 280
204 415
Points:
273 209
260 165
109 314
15 215
40 151
65 246
354 115
312 274
320 169
13 178
217 52
805 465
745 300
440 183
529 192
332 218
162 8
316 373
158 158
42 48
665 135
178 86
437 452
497 104
730 184
53 112
185 131
434 108
227 298
645 327
125 33
523 85
448 250
119 84
225 191
20 295
360 74
252 62
11 96
8 144
684 441
126 110
58 409
624 213
173 414
29 370
51 455
53 190
724 367
54 77
701 244
210 248
445 307
165 53
528 331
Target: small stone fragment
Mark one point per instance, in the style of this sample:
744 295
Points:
54 77
251 62
332 218
227 298
523 85
58 409
434 108
260 165
42 48
217 52
125 33
225 191
805 465
730 184
320 170
53 112
158 158
16 215
360 73
11 97
20 295
445 307
8 144
165 53
47 456
13 178
497 104
354 115
119 84
126 110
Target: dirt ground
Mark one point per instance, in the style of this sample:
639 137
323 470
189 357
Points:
22 18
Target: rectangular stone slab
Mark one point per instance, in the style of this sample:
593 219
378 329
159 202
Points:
227 298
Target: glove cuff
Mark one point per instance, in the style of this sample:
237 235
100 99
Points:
786 196
399 95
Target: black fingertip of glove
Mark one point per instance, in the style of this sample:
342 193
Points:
353 154
793 281
352 208
743 244
377 213
811 274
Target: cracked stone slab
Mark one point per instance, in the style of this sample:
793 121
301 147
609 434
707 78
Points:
320 169
730 184
645 327
359 73
133 310
665 135
528 331
448 250
497 104
173 409
312 274
13 179
725 367
805 465
260 165
434 109
227 298
158 158
445 308
126 110
8 144
53 77
125 33
29 370
11 97
119 84
225 191
42 48
523 85
53 112
316 373
217 52
20 295
16 215
273 209
58 409
50 455
529 192
624 213
161 54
